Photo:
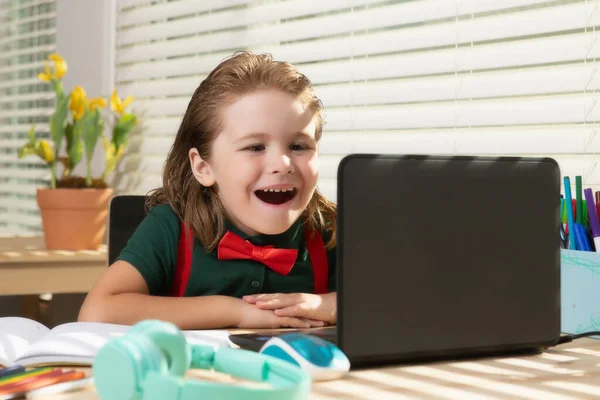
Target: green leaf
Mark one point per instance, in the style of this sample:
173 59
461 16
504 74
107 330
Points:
91 129
59 121
69 134
27 149
122 129
31 135
58 89
74 143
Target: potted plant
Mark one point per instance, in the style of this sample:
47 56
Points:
74 208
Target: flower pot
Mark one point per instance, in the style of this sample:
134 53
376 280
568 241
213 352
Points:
74 219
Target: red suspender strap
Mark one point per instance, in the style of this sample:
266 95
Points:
318 258
184 261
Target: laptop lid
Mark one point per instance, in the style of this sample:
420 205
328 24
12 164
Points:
442 256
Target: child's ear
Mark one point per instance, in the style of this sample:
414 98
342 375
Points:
200 168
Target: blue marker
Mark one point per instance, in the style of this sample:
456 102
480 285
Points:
581 238
569 204
15 369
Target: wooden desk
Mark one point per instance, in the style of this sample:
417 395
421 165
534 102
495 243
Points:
570 371
27 268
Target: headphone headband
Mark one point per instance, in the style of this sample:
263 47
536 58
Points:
245 364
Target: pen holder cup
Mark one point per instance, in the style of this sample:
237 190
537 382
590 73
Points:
580 291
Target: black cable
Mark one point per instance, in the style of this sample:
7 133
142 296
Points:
570 338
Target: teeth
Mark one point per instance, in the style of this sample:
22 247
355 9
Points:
277 190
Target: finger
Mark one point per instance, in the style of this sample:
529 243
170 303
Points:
296 310
263 297
278 302
293 322
251 298
314 323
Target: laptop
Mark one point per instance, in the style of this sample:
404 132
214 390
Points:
444 257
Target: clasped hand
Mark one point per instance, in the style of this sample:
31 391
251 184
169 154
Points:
294 310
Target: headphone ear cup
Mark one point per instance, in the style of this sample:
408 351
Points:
170 340
121 366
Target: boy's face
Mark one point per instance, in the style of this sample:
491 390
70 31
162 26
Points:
264 163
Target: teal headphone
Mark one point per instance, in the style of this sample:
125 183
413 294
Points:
149 362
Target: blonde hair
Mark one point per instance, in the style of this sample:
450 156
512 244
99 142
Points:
238 75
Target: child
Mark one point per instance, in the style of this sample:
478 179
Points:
238 235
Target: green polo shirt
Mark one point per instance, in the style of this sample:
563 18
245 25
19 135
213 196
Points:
152 250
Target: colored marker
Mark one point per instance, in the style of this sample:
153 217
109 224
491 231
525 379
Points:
24 381
598 204
578 197
581 237
40 382
15 369
25 374
594 223
569 199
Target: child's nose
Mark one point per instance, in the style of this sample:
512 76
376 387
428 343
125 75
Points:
282 164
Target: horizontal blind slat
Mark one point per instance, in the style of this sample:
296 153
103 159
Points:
22 128
19 189
11 158
37 174
176 86
171 10
29 112
31 221
16 83
29 35
27 97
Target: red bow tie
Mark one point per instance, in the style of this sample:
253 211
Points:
232 246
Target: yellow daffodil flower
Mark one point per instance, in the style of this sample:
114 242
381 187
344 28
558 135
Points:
117 105
46 151
78 102
98 102
55 72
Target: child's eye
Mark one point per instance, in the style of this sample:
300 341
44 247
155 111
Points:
298 147
255 147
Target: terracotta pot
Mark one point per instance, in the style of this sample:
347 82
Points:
74 219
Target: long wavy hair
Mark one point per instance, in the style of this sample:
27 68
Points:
200 206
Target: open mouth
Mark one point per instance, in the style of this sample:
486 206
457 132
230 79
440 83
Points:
275 196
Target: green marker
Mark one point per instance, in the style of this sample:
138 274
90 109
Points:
579 200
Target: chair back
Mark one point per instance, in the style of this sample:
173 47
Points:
125 214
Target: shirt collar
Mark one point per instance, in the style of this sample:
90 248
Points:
287 239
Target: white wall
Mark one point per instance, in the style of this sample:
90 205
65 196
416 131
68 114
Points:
85 38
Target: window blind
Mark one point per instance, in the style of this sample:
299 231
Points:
27 36
485 77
